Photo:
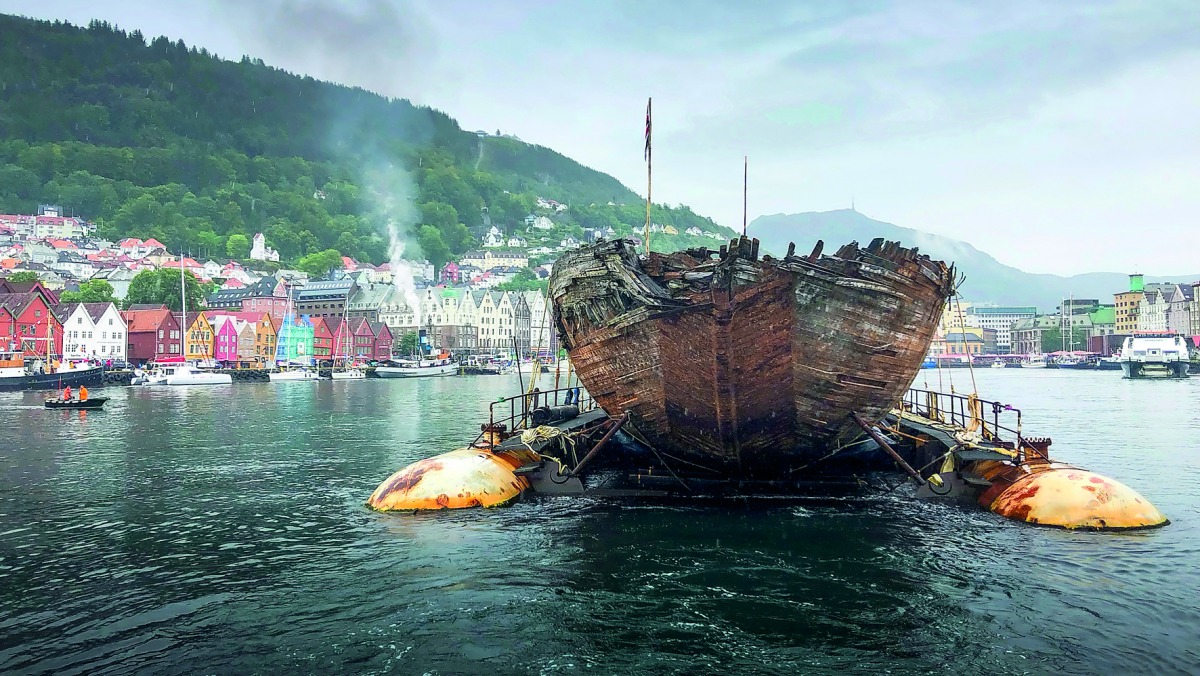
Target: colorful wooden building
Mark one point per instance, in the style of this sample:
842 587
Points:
153 333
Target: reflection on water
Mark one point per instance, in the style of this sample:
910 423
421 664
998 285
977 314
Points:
222 529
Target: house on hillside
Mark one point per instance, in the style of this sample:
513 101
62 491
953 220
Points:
259 250
493 239
119 278
494 258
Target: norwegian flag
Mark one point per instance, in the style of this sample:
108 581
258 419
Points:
647 153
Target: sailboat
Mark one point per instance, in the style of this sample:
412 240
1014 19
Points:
176 371
289 372
347 372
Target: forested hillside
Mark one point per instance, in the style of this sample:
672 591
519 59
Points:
153 138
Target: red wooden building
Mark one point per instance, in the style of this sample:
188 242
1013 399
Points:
152 334
322 340
383 340
361 342
29 323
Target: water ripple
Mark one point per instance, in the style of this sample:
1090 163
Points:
197 531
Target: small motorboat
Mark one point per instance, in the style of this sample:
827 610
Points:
90 403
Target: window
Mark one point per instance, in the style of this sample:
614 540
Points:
110 321
160 335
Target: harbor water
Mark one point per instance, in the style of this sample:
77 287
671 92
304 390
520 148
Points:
222 530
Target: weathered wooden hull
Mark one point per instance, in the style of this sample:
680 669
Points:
746 368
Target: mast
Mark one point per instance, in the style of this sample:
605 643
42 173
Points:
649 175
183 309
745 189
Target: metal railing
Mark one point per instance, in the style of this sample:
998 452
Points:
964 411
515 412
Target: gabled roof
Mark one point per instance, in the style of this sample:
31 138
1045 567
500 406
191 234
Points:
357 324
141 321
8 286
141 307
16 303
94 310
319 323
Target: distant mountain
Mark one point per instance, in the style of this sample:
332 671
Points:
987 280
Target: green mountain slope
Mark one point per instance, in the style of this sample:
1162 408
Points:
156 138
986 279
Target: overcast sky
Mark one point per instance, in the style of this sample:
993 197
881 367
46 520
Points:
1057 136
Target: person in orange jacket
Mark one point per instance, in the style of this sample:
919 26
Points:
83 393
66 394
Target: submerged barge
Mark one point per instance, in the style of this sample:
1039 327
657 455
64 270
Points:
949 446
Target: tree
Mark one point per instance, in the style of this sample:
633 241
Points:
409 343
161 287
24 277
320 263
433 246
525 280
92 291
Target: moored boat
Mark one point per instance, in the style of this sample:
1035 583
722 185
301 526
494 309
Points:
179 372
20 373
301 374
423 368
1154 354
741 366
349 373
1034 361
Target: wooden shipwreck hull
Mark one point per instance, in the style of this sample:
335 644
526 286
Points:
746 368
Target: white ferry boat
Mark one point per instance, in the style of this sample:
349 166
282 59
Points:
1154 354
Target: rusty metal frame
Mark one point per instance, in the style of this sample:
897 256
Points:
955 409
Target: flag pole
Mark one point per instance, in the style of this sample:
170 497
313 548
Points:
649 177
745 187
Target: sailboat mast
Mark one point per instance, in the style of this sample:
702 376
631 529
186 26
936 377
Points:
182 309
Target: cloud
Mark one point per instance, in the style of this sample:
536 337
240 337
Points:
1000 123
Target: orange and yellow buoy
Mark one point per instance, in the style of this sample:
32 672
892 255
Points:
466 477
1052 494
